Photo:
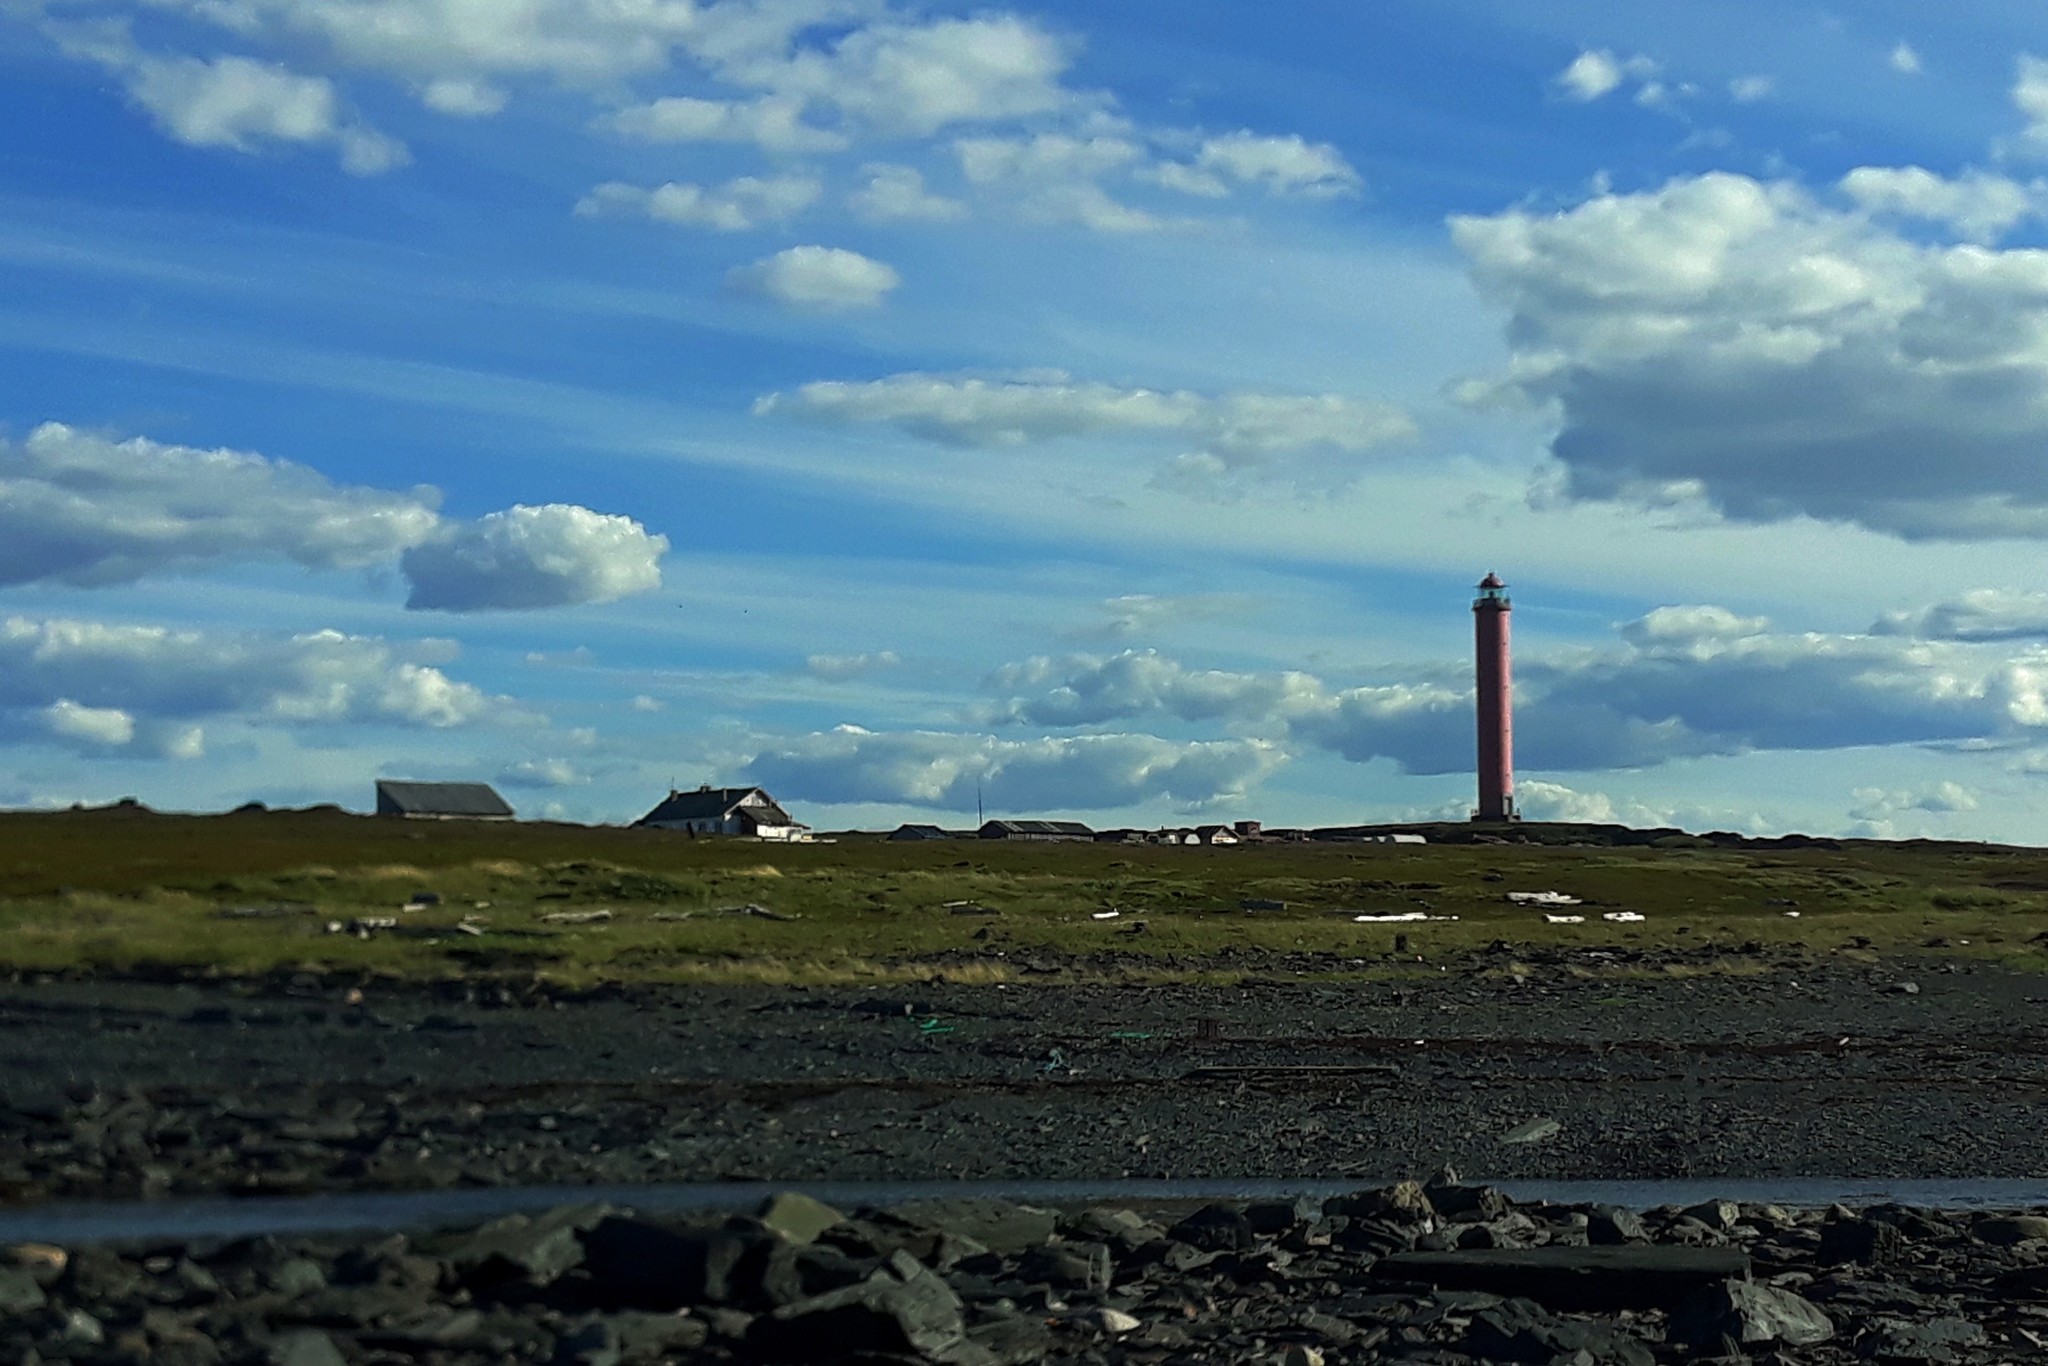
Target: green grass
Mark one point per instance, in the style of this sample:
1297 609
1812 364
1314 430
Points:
124 891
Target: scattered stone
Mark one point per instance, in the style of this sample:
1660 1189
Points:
1863 1241
1727 1318
1573 1277
904 1308
1612 1226
19 1292
1001 1228
2012 1230
1891 1339
797 1218
305 1347
1115 1322
1534 1131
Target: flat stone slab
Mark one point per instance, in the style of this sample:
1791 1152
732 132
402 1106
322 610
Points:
1573 1277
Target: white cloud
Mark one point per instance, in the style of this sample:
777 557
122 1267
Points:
104 727
737 206
773 123
1746 345
1280 165
2030 97
947 771
1054 177
842 668
1977 206
464 99
1237 430
543 773
78 673
1983 614
914 79
1750 89
556 555
1597 72
819 278
643 703
895 194
241 104
1666 625
1876 804
87 509
1904 59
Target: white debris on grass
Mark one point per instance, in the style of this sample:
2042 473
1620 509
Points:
1105 915
1398 918
575 917
1542 899
1623 917
1564 919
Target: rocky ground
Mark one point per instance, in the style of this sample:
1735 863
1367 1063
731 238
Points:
1560 1067
1446 1274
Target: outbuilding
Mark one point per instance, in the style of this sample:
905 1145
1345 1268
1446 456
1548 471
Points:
442 801
1045 831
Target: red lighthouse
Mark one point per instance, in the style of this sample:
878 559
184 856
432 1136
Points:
1496 702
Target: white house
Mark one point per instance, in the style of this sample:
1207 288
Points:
725 811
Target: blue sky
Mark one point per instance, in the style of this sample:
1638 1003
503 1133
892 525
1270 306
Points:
1105 408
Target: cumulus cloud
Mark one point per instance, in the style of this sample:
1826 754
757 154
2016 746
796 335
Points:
1287 165
1977 206
556 555
1747 345
737 206
1055 177
1597 72
1235 430
1683 682
113 685
773 123
844 668
946 771
100 732
236 102
1904 59
1130 615
2030 97
1982 614
87 509
913 79
543 773
822 279
897 194
1943 798
1750 89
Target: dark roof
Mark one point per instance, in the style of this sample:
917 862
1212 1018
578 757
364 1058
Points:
917 832
1038 828
715 804
440 799
1492 581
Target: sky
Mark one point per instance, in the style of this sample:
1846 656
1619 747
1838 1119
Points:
1075 410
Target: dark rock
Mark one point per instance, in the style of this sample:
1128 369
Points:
797 1218
1012 1340
1000 1227
1067 1266
1405 1203
1861 1241
304 1347
783 1273
1519 1330
296 1277
1611 1226
1725 1319
1466 1203
658 1337
1271 1218
1215 1228
904 1309
2011 1231
1718 1215
516 1248
19 1293
646 1266
1900 1340
1573 1277
1119 1228
594 1344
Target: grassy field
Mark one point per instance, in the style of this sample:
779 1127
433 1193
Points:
126 891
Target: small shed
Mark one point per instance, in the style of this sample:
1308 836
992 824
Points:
725 811
1044 831
920 832
1216 834
442 801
